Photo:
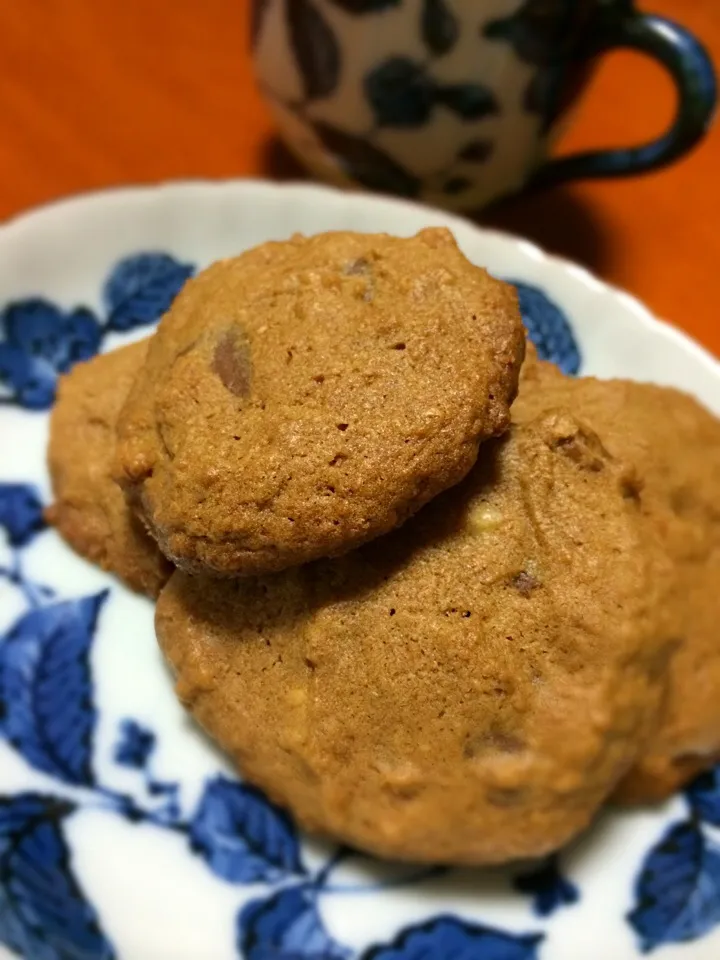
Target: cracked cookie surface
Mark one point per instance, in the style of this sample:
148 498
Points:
470 688
308 396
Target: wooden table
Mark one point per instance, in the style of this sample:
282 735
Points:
98 92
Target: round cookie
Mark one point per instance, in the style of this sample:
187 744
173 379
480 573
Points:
675 445
307 396
467 690
90 511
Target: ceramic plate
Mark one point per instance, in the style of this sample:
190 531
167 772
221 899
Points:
123 833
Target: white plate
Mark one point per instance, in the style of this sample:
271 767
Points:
122 832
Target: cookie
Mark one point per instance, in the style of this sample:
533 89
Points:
675 445
90 511
468 689
308 396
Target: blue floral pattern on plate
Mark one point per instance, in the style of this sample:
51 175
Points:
548 328
39 340
50 718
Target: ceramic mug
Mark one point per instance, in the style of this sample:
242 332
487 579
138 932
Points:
457 102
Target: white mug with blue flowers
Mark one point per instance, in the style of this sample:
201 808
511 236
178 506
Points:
457 102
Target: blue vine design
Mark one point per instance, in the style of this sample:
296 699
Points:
48 717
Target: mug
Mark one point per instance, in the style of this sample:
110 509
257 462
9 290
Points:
458 102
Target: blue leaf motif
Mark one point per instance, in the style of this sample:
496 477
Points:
440 28
704 796
366 163
541 31
548 327
141 288
548 888
476 151
21 512
449 938
359 7
242 836
46 706
469 101
677 893
456 185
400 93
135 746
287 926
316 50
41 329
43 911
39 342
30 381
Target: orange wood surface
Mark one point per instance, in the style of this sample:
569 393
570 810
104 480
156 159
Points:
103 92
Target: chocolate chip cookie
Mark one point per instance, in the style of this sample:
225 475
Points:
90 511
470 688
310 395
675 445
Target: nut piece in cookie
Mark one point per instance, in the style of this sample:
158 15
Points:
90 511
467 690
675 445
308 396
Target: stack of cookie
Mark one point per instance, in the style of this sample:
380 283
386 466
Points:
432 626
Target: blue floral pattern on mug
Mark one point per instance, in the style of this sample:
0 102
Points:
396 111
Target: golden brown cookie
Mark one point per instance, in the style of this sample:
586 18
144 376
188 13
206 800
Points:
675 445
468 689
307 396
90 510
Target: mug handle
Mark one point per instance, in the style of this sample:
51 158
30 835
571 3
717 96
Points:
690 66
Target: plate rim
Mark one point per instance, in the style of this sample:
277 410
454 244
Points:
27 219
